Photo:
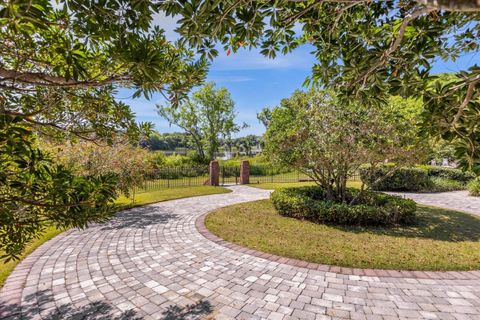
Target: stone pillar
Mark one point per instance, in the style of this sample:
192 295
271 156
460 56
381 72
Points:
244 172
214 170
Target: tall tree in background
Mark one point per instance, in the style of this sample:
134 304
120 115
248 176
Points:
207 117
247 143
60 65
265 116
365 50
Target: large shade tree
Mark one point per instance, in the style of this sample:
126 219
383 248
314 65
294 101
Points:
365 50
60 65
207 117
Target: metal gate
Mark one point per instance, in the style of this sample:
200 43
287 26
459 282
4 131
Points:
229 175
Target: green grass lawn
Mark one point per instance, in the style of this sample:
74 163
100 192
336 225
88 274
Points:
277 185
440 240
140 199
169 194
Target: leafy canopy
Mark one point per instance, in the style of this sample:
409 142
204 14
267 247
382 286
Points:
207 117
328 140
365 50
60 66
35 192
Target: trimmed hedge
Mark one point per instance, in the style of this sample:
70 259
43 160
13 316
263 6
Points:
474 187
423 178
449 173
402 179
443 185
372 208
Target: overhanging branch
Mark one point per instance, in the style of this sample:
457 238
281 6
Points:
45 80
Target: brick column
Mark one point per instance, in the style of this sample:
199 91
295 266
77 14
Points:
244 172
214 170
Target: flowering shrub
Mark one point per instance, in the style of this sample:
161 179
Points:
128 163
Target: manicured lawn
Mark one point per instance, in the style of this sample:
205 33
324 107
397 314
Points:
277 185
169 194
140 199
440 240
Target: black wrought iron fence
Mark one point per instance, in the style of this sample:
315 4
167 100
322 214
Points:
174 177
190 176
229 174
269 174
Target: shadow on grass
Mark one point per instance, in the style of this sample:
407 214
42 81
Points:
432 223
98 310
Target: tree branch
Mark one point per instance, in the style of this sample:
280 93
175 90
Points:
41 79
466 100
453 5
395 43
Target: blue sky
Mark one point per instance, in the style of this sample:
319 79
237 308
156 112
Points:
255 81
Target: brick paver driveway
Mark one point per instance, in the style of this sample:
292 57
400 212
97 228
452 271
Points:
152 262
456 200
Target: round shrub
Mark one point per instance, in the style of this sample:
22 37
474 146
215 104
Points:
370 209
474 187
402 179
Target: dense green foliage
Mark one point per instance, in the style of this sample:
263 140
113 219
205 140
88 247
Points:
265 116
449 173
474 187
129 164
370 208
422 178
166 141
60 66
244 145
36 193
365 51
329 140
444 185
207 116
400 179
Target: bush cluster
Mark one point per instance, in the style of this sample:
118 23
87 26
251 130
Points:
371 208
474 187
402 179
422 178
448 173
443 185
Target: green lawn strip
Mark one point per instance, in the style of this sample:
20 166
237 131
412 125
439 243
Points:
124 203
169 194
277 185
440 240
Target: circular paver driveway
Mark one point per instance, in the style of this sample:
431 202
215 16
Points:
152 262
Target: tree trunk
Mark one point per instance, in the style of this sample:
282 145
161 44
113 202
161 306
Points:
453 5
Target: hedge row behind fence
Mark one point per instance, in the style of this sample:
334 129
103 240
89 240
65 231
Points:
422 178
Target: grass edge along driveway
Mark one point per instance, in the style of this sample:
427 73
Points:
441 239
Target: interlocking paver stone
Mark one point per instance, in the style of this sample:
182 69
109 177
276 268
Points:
159 261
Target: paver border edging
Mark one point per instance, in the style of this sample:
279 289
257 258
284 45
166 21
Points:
433 275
